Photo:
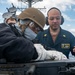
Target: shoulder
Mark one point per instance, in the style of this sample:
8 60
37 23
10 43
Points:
2 24
43 32
67 33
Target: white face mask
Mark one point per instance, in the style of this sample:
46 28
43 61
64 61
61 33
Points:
29 33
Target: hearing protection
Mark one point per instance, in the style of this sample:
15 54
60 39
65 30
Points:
62 18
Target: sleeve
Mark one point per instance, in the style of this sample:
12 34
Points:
72 39
43 54
19 50
15 49
39 37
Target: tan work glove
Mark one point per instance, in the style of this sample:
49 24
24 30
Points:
44 54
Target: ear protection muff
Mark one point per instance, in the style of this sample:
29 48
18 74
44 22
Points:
62 20
47 21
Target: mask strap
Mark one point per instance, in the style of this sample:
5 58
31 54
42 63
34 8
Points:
23 27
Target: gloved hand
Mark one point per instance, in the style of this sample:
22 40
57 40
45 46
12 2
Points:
55 55
41 52
44 54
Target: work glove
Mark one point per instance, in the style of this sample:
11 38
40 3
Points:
41 52
44 54
55 55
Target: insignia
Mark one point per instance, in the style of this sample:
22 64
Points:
45 35
64 35
65 46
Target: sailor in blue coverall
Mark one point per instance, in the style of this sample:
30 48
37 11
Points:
62 40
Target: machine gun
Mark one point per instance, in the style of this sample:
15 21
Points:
66 67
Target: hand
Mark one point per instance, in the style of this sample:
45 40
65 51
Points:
44 54
74 49
41 52
55 55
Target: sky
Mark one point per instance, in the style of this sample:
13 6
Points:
67 8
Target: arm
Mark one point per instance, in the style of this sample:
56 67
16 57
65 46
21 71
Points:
13 48
43 54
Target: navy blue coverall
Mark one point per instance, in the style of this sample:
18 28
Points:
64 43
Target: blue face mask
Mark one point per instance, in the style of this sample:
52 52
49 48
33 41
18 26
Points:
29 33
18 28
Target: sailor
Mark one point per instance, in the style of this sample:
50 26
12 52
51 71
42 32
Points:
31 21
10 19
20 50
56 37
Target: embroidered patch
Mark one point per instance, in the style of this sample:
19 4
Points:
65 46
45 35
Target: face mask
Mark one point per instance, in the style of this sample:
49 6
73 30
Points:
17 27
29 34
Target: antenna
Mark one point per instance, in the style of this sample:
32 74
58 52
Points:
30 2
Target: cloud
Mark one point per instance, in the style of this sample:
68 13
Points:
0 14
3 2
73 31
18 12
68 25
15 2
68 18
63 5
1 20
12 1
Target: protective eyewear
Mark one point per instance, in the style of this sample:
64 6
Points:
24 22
34 26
